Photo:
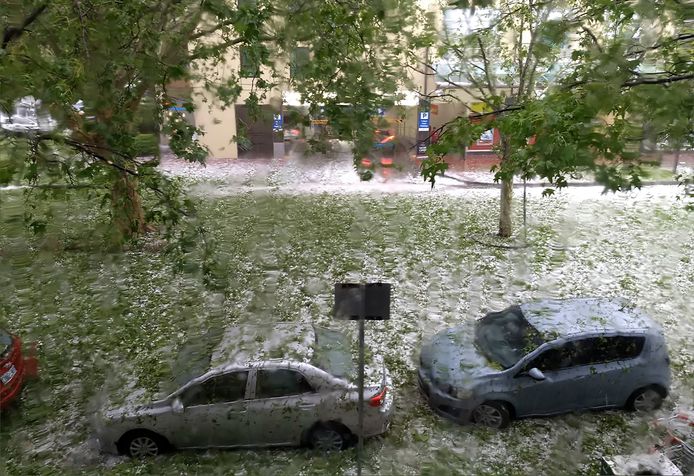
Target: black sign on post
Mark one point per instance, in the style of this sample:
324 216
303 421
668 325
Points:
360 302
369 301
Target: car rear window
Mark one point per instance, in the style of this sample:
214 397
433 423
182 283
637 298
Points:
5 343
332 353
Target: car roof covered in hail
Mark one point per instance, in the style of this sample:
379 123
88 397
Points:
257 343
566 317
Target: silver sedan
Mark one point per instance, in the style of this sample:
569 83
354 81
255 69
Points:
272 402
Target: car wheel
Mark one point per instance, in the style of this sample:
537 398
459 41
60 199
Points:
492 415
328 438
143 445
645 400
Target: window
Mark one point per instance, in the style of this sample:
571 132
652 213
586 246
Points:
554 359
225 388
505 337
301 57
250 65
280 383
595 350
608 349
332 353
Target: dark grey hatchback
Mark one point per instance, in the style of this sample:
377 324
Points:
544 358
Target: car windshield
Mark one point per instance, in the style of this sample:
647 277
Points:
5 343
505 337
332 353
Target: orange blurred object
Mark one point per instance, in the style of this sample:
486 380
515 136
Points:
386 161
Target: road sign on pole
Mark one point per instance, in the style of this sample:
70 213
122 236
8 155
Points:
423 126
423 121
277 123
360 302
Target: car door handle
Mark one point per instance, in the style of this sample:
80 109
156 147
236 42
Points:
307 405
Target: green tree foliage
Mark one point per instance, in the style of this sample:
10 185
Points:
357 61
119 58
573 86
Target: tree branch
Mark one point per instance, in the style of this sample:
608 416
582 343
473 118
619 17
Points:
671 79
12 33
667 42
89 149
486 66
636 82
592 37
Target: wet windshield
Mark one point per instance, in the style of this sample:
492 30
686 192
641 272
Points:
332 353
505 337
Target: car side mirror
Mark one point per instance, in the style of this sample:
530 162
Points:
177 406
536 374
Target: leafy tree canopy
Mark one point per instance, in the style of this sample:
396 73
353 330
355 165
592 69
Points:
119 59
572 85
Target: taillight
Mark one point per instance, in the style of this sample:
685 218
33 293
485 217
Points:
378 399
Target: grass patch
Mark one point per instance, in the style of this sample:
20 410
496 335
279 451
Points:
118 319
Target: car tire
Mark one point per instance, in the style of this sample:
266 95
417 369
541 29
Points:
646 399
142 444
492 414
328 438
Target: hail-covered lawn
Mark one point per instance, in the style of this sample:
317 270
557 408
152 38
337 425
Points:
106 319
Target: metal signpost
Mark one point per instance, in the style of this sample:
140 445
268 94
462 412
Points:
360 302
277 136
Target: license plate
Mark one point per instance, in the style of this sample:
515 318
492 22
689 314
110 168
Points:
7 376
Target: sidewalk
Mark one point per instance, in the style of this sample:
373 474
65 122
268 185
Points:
474 171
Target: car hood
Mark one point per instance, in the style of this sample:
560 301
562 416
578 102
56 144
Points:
450 357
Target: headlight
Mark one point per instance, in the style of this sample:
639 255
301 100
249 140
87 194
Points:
462 393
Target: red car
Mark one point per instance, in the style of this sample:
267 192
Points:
12 368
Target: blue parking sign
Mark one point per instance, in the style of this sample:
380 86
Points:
423 121
277 122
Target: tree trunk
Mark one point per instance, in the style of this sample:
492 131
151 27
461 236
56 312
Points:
676 160
505 223
127 214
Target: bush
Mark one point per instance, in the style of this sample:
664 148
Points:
146 145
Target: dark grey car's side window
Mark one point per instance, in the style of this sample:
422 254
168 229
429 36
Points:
225 388
554 359
590 351
280 383
598 350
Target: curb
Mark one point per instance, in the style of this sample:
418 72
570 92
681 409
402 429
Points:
476 184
